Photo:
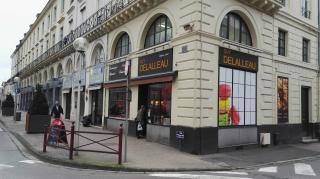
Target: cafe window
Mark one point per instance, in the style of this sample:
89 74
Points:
159 104
237 97
234 28
159 32
123 46
117 102
282 100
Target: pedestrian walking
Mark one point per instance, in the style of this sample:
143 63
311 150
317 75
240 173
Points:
140 122
56 110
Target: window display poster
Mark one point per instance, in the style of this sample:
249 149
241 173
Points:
237 97
282 99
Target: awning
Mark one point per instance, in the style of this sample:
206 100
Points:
67 90
115 84
150 79
94 87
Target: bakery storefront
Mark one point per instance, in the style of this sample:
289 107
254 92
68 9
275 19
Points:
154 81
116 86
237 105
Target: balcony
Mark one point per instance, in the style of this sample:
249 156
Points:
268 6
109 17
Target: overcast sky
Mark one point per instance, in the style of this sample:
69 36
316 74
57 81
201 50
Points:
15 18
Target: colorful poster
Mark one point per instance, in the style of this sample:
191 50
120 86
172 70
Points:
282 101
237 97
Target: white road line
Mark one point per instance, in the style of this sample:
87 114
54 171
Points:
3 166
30 161
191 176
1 130
269 169
303 169
230 173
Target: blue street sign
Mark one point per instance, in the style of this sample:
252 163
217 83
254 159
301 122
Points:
180 135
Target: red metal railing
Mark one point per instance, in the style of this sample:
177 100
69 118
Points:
71 147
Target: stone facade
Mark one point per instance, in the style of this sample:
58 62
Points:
195 41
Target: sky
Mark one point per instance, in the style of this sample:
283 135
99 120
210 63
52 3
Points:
15 18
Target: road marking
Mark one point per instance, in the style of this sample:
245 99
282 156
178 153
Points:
303 169
191 176
30 161
269 169
1 130
230 173
3 166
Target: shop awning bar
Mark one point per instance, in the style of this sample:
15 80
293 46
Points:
159 78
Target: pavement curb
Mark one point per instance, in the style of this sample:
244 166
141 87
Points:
116 168
120 168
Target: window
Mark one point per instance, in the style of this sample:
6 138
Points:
305 9
38 33
98 55
48 21
237 97
42 28
282 100
123 46
305 50
117 102
53 39
47 47
54 18
159 103
61 33
282 43
62 6
59 71
159 32
234 28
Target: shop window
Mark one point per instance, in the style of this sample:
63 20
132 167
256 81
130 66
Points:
159 104
159 32
117 102
123 46
237 97
234 28
283 99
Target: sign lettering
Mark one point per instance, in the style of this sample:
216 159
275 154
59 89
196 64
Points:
159 62
238 60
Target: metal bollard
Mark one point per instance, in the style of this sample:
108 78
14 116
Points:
71 142
120 145
45 139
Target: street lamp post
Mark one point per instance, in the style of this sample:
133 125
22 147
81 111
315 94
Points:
80 45
15 82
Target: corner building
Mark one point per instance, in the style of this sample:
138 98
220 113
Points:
219 72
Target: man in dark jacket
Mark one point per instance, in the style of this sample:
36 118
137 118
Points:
56 111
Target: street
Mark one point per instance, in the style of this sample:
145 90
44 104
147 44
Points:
17 164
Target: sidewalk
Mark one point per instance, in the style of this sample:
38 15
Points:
148 156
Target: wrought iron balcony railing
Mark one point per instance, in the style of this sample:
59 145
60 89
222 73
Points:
98 18
305 13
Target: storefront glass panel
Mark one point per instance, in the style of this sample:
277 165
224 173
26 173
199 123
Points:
159 104
237 97
117 102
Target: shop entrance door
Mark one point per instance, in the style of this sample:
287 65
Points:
68 105
305 110
96 107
